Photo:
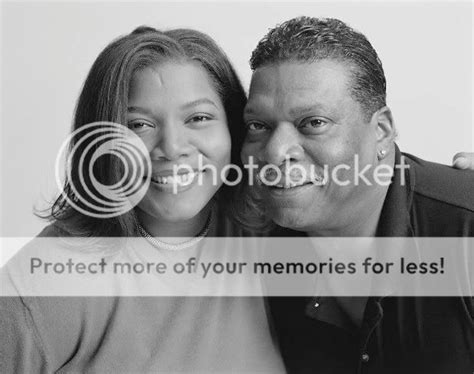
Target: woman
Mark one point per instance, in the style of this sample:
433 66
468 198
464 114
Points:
177 91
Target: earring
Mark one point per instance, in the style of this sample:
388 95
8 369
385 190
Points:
381 154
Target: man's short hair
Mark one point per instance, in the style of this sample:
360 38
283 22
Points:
309 39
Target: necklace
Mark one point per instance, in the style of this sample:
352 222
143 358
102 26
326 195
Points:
157 243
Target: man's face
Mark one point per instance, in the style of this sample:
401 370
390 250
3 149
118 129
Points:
303 114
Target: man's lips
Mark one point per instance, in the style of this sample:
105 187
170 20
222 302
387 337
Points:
282 192
288 184
271 180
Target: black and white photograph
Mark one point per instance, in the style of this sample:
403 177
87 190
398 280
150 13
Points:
237 187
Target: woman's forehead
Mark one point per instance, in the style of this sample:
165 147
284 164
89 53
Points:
179 83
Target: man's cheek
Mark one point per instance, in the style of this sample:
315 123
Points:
339 166
249 153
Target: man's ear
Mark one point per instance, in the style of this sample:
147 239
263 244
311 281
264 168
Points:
385 129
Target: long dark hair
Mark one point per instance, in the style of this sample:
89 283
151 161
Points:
104 97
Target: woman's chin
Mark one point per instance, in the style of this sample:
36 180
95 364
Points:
180 211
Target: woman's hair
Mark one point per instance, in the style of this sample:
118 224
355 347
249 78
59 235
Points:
104 97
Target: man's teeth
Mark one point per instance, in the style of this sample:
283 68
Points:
181 179
290 184
319 181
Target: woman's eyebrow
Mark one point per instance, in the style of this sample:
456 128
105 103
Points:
199 102
138 109
191 104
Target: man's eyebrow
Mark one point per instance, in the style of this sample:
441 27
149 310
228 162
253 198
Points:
299 109
249 110
295 111
197 102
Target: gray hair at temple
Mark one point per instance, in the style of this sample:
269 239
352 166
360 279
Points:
309 39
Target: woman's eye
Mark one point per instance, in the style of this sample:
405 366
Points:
256 126
139 125
200 118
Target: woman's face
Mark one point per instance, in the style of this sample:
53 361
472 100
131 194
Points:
174 108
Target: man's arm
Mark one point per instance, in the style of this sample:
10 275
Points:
464 160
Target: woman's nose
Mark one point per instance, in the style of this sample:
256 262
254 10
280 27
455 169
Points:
172 143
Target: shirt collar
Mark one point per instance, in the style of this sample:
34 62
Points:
395 216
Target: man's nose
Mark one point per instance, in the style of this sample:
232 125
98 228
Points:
283 145
172 143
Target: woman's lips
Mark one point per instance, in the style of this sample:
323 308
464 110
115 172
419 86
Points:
177 182
180 179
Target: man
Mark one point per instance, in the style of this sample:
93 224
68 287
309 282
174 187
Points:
318 101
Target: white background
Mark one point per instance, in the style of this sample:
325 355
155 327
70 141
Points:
48 48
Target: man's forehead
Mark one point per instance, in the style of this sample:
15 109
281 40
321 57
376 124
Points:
299 84
300 74
300 78
294 104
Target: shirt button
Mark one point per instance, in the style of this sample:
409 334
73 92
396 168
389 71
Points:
316 305
365 357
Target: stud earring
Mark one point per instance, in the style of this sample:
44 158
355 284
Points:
381 154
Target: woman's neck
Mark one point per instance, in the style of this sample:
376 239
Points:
178 229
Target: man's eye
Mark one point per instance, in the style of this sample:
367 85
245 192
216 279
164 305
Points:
256 126
313 123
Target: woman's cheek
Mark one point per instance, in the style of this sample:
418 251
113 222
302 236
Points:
219 146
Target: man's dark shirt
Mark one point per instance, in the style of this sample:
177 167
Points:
398 334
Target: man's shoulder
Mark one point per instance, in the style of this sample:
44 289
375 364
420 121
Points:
441 183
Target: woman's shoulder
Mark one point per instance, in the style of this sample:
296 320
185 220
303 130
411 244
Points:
54 230
49 264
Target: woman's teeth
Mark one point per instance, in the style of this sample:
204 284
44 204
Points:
180 179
